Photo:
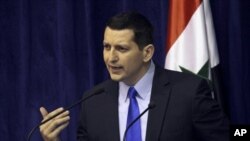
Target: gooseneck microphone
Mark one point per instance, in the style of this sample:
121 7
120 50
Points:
151 105
97 92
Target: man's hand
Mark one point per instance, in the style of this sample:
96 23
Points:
50 130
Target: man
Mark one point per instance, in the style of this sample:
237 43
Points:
184 109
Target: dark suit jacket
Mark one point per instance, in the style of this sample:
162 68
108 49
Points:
184 111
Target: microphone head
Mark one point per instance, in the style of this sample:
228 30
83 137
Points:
151 105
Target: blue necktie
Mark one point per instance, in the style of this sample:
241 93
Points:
134 133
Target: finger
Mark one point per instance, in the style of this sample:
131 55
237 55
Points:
43 112
57 131
54 121
47 130
51 114
65 113
57 123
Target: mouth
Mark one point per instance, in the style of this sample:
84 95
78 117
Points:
115 69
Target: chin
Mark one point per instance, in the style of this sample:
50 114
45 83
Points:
116 78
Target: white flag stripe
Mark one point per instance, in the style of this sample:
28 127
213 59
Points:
189 50
196 43
212 46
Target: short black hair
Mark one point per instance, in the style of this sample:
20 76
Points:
142 28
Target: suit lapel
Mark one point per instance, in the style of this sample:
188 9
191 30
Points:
160 96
112 111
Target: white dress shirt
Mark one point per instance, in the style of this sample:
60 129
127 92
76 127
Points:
143 88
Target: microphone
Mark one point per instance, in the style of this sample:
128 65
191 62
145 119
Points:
151 105
97 92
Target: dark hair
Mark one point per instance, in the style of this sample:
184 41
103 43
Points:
142 28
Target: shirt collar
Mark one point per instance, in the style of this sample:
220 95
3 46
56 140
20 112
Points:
143 86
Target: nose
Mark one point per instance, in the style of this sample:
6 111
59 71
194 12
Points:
113 55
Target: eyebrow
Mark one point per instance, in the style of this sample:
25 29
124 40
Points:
122 44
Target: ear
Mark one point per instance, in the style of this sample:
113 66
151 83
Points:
148 52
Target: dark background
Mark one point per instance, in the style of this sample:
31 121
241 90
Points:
51 52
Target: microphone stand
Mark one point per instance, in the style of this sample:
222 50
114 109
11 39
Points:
68 108
151 105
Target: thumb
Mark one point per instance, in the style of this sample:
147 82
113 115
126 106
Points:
43 112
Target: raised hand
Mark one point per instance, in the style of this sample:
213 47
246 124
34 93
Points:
50 130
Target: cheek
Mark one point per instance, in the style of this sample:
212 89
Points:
104 56
133 63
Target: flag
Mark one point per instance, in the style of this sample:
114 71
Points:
191 44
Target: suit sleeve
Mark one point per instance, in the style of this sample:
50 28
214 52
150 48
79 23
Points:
82 134
209 122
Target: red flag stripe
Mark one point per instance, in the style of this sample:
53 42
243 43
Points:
180 12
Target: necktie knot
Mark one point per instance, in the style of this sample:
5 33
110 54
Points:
132 92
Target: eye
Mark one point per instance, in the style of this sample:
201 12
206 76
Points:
106 46
122 49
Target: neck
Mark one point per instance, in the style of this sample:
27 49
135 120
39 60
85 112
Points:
139 75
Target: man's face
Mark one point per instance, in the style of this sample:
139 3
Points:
123 59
